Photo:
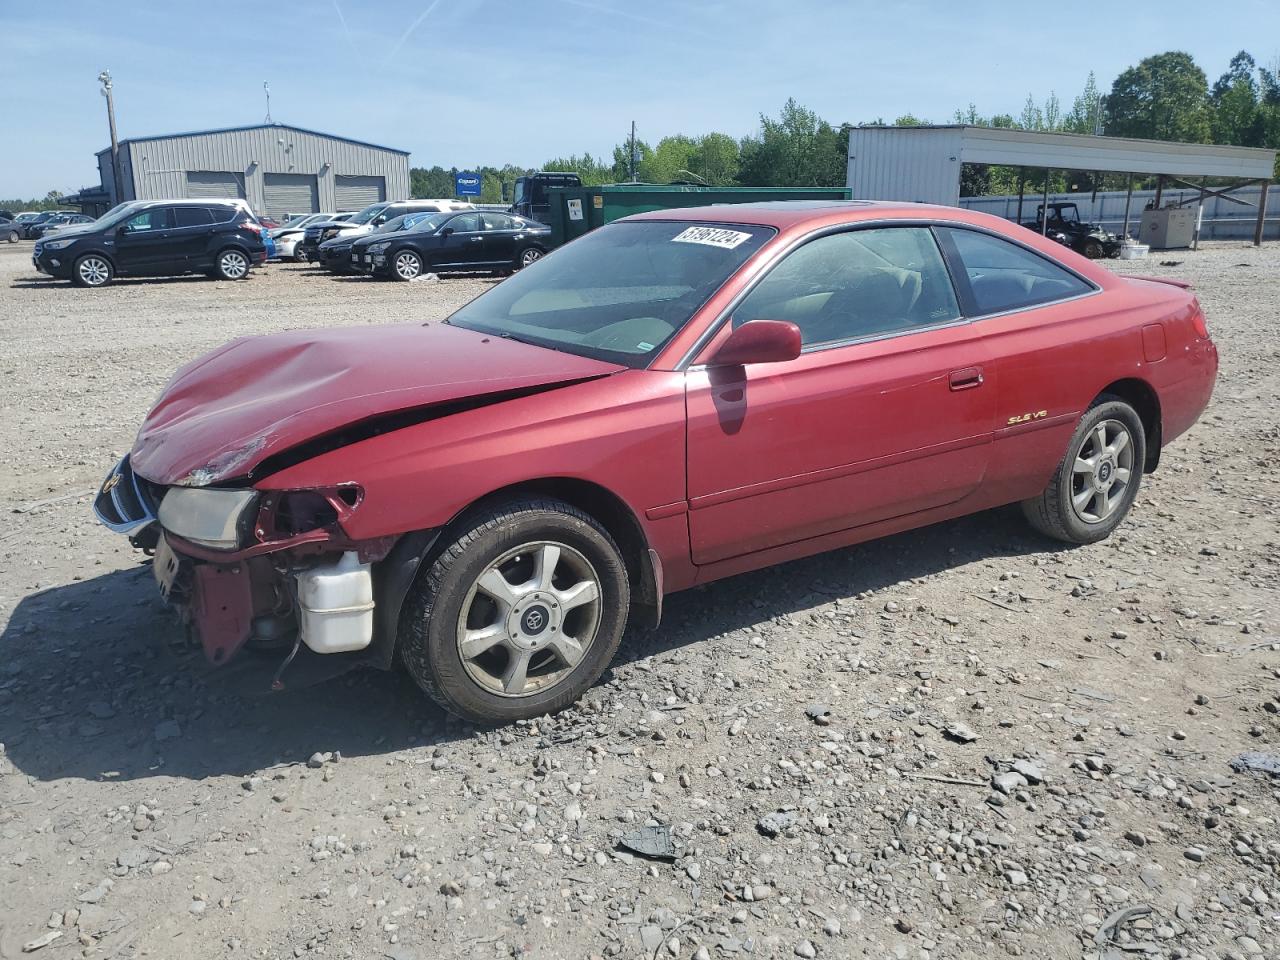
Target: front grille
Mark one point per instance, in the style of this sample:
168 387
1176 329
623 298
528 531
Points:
125 500
38 250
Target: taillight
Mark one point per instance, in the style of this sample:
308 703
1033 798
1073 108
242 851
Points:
1201 328
252 227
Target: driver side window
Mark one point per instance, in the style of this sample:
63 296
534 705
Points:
856 285
465 223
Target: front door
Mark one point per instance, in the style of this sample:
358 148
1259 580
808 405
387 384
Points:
888 411
142 242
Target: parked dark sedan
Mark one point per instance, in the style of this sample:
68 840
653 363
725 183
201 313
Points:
335 254
156 238
57 222
33 227
474 240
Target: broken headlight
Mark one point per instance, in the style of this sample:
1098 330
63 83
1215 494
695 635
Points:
210 517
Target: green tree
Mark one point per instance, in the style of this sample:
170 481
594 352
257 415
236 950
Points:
1237 114
1086 111
592 170
796 149
716 159
1165 97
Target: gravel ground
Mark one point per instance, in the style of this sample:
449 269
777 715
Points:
958 742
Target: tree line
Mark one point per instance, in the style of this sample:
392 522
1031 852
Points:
1163 97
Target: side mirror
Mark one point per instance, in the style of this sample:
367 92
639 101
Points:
379 221
445 231
759 341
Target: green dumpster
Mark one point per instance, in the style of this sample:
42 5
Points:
575 210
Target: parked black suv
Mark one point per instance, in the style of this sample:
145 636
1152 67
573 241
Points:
156 238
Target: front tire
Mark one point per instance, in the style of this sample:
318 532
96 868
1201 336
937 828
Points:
519 615
1093 250
406 265
92 270
1096 482
232 264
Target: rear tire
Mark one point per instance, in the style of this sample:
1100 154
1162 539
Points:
232 264
527 257
519 615
1096 483
1093 250
12 236
92 270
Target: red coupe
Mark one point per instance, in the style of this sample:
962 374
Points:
676 397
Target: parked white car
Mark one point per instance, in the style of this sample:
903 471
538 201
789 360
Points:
290 233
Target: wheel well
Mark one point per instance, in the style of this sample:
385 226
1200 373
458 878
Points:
616 517
1139 395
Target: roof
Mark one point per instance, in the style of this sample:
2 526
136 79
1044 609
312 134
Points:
255 126
1079 151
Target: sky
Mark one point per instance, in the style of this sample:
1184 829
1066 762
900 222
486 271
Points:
469 82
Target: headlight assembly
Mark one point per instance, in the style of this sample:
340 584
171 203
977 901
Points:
57 244
216 518
379 247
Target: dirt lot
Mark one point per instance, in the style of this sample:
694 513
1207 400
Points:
149 809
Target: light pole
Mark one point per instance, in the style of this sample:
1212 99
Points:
104 78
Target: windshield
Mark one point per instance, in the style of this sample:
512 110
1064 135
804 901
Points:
519 195
298 221
25 217
368 213
618 293
116 214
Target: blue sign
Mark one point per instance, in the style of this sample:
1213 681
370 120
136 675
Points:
466 184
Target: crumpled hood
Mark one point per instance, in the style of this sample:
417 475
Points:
225 413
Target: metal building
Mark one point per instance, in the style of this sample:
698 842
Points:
278 169
923 163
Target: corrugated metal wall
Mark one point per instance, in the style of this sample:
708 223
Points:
158 169
905 163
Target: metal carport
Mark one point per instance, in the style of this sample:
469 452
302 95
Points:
923 163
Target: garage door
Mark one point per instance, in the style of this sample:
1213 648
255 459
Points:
290 193
355 193
215 183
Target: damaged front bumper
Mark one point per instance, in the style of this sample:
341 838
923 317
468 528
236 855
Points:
269 569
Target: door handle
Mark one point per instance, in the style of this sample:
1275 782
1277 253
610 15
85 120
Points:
476 239
966 378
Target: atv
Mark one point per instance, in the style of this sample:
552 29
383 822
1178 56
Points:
1066 227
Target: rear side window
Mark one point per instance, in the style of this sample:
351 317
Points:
191 217
1004 276
497 221
223 214
465 223
856 285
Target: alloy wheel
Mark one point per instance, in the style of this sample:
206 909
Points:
233 265
532 255
94 271
1102 471
529 619
407 265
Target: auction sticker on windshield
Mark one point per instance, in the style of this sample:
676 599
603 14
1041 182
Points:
712 237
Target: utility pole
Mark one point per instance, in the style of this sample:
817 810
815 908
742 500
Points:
104 78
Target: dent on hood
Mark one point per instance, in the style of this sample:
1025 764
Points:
229 464
245 461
